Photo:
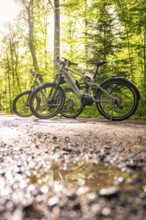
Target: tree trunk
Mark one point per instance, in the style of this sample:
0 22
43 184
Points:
144 62
29 10
14 60
56 30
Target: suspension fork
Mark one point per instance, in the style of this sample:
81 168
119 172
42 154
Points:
53 92
27 102
56 87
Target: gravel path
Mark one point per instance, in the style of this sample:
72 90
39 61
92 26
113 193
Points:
29 148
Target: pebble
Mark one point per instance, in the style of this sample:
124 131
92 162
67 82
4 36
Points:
31 189
109 191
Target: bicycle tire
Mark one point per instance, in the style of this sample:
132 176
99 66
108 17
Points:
72 106
127 99
21 104
48 107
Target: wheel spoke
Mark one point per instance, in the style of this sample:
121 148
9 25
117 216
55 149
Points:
72 106
125 104
51 101
21 105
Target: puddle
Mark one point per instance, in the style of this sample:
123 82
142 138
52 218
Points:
95 176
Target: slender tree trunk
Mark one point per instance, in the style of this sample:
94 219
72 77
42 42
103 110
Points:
122 8
46 22
8 67
56 30
29 10
145 62
145 53
86 47
14 61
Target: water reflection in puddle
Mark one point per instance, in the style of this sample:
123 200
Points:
95 176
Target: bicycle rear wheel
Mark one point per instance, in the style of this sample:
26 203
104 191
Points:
72 106
51 101
126 103
21 104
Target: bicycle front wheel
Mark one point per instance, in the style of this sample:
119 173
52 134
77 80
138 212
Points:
72 106
21 104
51 100
126 103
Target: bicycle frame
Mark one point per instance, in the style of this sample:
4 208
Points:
91 83
36 83
116 98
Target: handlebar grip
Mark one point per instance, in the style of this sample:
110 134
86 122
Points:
72 63
35 74
30 71
66 61
59 61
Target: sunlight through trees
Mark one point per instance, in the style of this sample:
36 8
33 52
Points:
82 31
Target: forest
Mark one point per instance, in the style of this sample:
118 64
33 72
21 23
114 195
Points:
81 31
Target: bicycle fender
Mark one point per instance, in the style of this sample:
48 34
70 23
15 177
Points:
24 92
27 91
44 84
47 83
130 82
121 79
51 83
138 93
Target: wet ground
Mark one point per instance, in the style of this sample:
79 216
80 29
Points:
72 169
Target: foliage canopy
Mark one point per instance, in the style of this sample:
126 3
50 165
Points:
80 30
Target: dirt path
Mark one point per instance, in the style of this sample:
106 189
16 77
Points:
36 158
96 136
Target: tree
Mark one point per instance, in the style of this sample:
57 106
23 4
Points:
29 9
56 29
83 30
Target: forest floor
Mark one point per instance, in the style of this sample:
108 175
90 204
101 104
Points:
72 169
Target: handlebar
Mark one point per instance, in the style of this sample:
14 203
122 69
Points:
34 73
65 62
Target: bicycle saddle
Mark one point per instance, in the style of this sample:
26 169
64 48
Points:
98 63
